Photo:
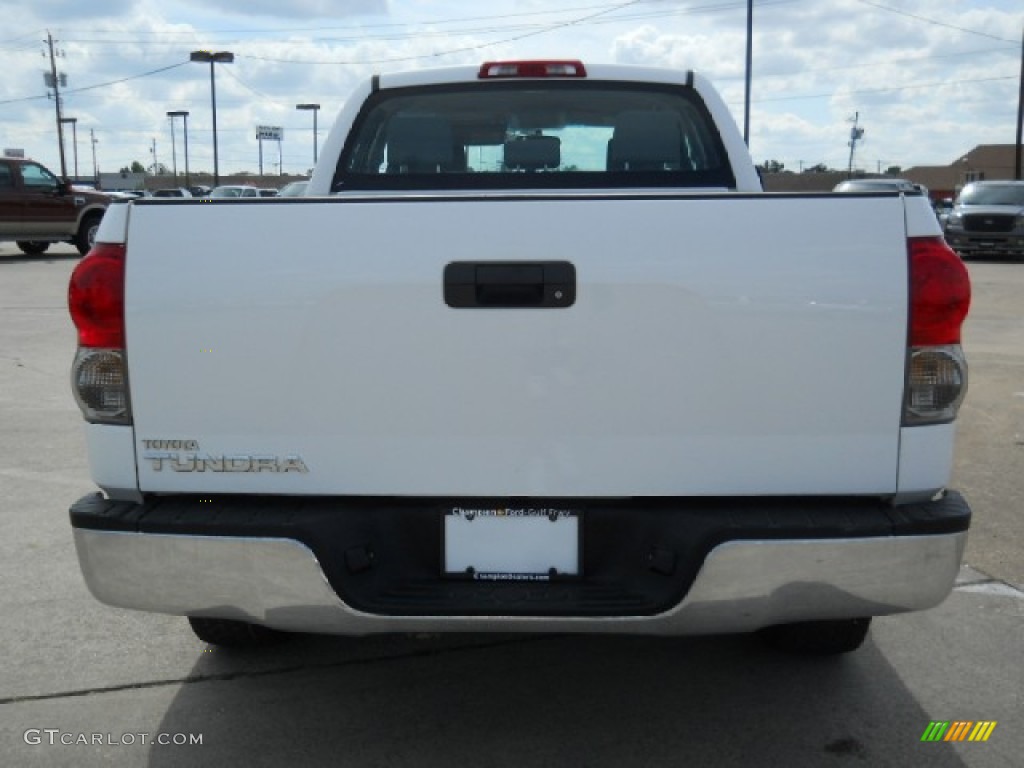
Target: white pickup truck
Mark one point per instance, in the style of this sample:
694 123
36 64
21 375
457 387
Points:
535 353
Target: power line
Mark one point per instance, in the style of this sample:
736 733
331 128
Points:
934 21
878 63
420 30
463 49
381 25
913 86
99 85
245 85
33 33
126 79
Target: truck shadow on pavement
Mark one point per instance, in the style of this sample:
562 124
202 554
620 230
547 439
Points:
46 258
521 700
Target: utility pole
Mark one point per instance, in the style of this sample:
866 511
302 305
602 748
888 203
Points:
855 134
55 84
153 152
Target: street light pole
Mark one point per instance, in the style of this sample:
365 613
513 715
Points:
174 150
314 108
750 62
224 57
1017 158
74 134
95 169
183 114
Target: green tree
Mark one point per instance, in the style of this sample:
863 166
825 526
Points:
772 166
893 170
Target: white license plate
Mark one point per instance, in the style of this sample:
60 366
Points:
511 543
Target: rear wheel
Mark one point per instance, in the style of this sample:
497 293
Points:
818 638
33 247
234 634
86 236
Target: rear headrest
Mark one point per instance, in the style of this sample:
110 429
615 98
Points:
645 141
531 153
419 144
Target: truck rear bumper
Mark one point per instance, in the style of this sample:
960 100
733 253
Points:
749 579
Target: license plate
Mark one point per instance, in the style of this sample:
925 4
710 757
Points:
511 543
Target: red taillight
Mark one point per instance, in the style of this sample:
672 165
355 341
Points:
548 68
96 297
940 292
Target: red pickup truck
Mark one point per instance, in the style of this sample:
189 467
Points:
38 208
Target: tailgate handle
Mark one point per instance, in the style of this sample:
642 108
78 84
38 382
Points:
508 285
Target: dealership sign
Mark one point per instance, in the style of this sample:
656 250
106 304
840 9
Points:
269 132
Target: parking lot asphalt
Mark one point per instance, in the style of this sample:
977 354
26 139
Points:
74 669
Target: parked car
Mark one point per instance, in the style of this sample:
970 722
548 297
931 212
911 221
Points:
199 190
38 208
988 218
295 189
128 194
234 190
880 185
268 192
172 192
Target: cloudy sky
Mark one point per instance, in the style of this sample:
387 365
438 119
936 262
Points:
930 79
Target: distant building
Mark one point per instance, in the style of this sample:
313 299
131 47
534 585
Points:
122 182
986 162
808 181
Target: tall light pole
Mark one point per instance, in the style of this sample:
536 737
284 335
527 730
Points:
1018 160
95 169
224 57
314 108
183 114
74 134
750 63
174 150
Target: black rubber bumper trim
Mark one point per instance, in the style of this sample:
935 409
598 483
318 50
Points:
640 556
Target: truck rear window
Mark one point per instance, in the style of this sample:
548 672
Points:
559 135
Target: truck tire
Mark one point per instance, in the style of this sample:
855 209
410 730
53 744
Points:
818 638
86 236
233 634
32 247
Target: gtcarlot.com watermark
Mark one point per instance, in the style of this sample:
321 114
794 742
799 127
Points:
55 736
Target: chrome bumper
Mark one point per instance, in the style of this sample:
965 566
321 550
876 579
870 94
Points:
742 585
